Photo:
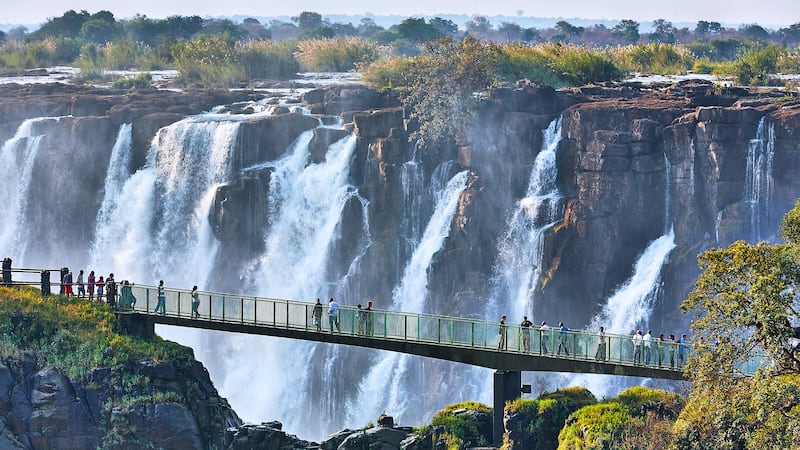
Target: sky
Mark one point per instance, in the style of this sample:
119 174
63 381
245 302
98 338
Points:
767 13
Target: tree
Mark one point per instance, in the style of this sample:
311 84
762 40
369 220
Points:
702 28
255 30
568 29
754 33
440 86
17 33
510 31
745 304
368 28
530 35
790 34
663 32
2 36
445 27
479 27
627 30
67 26
415 29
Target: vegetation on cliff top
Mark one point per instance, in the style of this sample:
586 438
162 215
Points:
72 334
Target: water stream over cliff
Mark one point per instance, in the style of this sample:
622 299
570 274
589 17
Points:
758 187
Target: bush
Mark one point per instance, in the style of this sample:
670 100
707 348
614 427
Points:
536 424
556 64
268 59
756 66
386 73
655 58
336 55
140 81
208 60
458 426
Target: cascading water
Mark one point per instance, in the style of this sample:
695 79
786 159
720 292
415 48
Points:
17 159
305 203
385 387
520 250
758 178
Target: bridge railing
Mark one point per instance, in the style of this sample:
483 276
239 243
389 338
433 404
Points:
402 326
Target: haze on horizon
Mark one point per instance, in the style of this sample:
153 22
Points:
769 13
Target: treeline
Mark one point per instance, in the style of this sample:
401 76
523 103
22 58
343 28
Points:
221 52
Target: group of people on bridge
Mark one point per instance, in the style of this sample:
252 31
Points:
104 288
365 321
646 350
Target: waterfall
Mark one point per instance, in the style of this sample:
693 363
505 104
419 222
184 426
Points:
758 178
17 158
520 250
631 304
157 227
305 206
386 386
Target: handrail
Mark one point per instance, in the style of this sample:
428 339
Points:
462 332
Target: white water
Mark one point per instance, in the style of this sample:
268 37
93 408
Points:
520 250
305 203
17 158
384 387
758 178
156 226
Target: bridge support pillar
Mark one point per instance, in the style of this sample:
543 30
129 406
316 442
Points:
507 387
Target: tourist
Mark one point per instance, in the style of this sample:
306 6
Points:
637 347
502 334
562 339
525 326
161 306
316 315
333 314
68 284
126 298
90 280
660 344
646 341
544 336
195 302
601 345
101 283
81 286
359 320
671 350
682 351
369 319
111 291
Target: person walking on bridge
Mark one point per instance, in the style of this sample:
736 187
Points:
101 284
111 291
161 305
90 281
525 328
369 319
544 336
503 333
195 302
562 339
333 314
601 345
316 315
646 341
81 286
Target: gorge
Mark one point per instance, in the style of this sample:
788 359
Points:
586 206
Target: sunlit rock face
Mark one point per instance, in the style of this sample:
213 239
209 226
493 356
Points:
543 207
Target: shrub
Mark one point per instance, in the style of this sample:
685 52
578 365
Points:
335 55
386 73
756 66
208 60
656 58
268 59
140 81
556 64
458 426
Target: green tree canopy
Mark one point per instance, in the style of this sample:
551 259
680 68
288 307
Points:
627 30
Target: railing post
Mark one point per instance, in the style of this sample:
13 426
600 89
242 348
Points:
255 311
274 313
179 303
439 331
241 310
287 314
405 327
472 334
147 300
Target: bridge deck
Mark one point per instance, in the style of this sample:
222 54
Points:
464 340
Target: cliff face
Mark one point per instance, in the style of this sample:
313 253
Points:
41 408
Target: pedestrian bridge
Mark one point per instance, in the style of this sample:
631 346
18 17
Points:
458 339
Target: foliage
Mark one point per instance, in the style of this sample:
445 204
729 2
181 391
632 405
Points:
140 81
335 55
268 59
208 60
440 88
745 303
544 417
71 334
756 66
557 65
48 52
458 426
386 73
621 422
655 57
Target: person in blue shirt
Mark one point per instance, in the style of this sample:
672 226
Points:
333 314
562 339
682 351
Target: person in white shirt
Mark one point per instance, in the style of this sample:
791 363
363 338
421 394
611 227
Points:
646 340
637 347
333 314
